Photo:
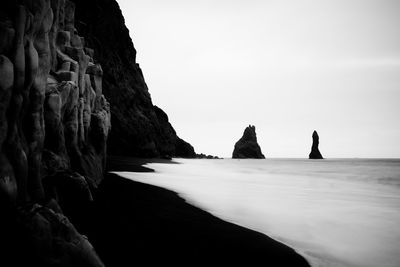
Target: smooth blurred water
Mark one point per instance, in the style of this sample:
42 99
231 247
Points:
343 212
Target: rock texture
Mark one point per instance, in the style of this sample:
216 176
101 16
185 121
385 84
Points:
54 124
315 154
247 146
140 129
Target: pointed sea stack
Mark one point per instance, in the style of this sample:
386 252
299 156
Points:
315 154
247 146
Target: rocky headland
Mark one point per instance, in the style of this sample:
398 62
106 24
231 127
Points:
247 146
315 154
140 129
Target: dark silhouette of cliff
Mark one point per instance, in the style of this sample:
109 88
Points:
315 154
247 146
139 128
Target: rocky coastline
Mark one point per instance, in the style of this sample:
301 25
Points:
70 95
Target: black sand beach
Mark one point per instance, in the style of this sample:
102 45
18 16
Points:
135 224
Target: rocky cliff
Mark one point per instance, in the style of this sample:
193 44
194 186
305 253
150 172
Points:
315 154
139 128
54 124
247 146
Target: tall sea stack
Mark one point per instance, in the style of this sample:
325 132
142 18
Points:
315 154
247 146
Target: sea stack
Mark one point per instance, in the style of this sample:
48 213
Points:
315 154
247 146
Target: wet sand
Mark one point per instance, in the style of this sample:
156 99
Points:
135 224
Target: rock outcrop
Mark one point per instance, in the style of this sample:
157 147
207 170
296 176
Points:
315 154
172 144
138 128
204 156
247 146
54 124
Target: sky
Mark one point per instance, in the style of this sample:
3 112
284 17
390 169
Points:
287 67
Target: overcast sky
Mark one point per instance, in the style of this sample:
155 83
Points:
288 67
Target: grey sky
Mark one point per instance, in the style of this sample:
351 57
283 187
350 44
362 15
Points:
288 67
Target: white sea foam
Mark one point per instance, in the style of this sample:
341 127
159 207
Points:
334 212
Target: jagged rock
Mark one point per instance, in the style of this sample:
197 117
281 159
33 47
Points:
137 129
247 146
53 239
8 183
53 122
72 192
7 32
315 154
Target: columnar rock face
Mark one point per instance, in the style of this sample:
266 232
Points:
315 154
247 146
138 130
54 121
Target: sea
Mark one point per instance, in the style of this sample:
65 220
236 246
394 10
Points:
334 212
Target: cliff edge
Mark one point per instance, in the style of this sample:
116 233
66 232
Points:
139 128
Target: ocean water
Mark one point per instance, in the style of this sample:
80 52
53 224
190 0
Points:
335 212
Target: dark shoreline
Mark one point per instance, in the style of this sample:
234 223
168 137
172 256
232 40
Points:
135 224
132 164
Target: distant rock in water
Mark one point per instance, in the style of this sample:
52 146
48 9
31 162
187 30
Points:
315 154
204 156
247 146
